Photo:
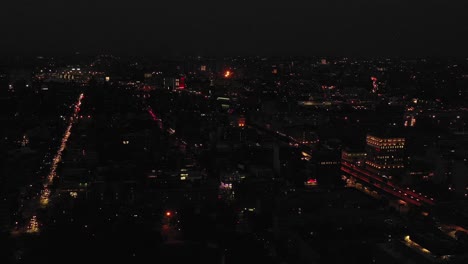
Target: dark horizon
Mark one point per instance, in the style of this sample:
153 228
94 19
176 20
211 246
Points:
319 28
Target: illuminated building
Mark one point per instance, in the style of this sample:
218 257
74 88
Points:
69 74
383 170
224 102
410 121
420 173
172 83
357 158
385 155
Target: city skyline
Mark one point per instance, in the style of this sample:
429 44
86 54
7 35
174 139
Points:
234 132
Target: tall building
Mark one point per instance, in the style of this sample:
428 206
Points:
173 83
382 171
385 155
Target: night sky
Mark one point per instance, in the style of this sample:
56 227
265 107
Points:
293 27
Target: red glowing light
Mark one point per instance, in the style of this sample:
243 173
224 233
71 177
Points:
182 83
227 74
153 115
168 213
311 182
